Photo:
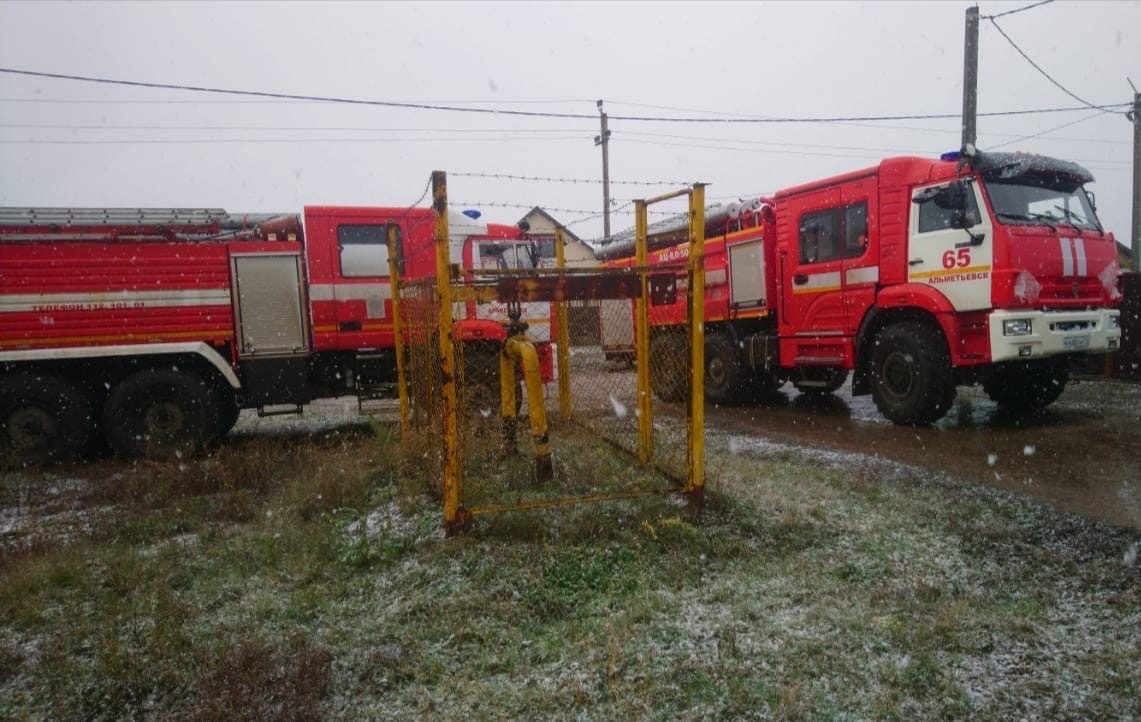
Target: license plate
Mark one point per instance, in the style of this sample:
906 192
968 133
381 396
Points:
1076 343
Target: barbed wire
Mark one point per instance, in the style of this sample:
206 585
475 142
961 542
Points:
592 216
504 204
548 179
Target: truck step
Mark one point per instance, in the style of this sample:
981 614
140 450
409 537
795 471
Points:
375 392
284 410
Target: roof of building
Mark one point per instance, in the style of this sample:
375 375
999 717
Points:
569 236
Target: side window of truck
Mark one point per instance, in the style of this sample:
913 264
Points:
855 229
819 236
934 216
363 250
834 233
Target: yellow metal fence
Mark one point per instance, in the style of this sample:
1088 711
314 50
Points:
489 437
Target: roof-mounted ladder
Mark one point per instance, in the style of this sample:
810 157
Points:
149 217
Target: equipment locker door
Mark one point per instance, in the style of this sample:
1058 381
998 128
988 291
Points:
269 305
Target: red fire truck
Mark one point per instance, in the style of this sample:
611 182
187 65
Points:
917 275
147 330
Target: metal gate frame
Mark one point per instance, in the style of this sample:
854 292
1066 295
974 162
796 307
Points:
557 287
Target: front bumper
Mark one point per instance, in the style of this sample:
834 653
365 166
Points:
1055 333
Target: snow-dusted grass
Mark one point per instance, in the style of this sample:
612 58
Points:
305 577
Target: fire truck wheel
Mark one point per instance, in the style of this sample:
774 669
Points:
157 413
724 376
668 363
911 374
223 410
42 419
1028 386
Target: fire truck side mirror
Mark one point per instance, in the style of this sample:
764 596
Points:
952 197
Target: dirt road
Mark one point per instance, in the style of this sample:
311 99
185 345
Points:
1082 454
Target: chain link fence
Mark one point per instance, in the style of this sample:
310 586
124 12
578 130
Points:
605 395
489 435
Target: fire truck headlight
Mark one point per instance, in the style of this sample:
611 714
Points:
1017 327
1114 322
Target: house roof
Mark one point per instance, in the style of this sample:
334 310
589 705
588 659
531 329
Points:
569 236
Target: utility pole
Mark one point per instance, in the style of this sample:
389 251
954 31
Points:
1135 116
603 139
970 79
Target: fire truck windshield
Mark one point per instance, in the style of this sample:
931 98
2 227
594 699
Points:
505 255
1034 200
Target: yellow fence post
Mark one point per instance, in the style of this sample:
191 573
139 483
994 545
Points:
455 516
562 333
695 426
395 266
642 335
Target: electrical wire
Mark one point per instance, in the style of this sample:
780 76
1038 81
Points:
1018 10
1037 67
1097 114
290 128
764 143
520 113
192 141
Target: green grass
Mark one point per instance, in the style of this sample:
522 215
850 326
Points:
307 577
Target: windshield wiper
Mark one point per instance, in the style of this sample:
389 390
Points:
1043 217
1078 221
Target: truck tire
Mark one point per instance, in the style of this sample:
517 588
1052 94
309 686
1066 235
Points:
668 364
820 380
912 382
43 419
725 378
1027 386
158 414
224 410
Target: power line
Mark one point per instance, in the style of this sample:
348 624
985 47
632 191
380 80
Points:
346 129
1018 10
997 135
519 113
733 149
542 131
173 101
871 155
284 96
1097 114
1037 67
764 143
230 141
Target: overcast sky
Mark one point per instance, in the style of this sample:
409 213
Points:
73 143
